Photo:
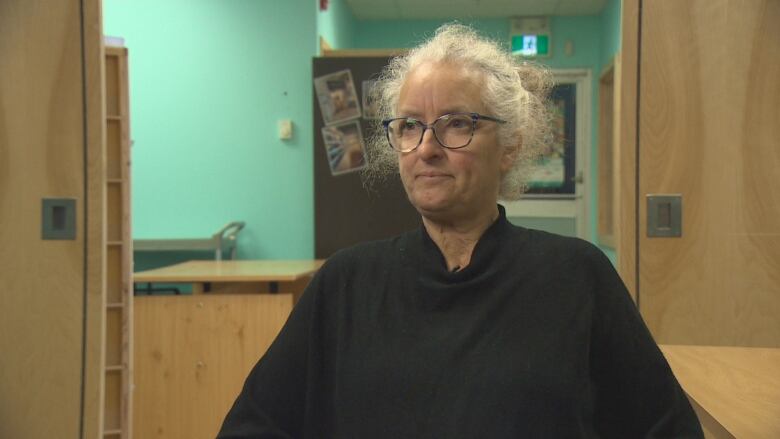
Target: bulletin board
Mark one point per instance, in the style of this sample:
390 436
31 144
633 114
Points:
345 213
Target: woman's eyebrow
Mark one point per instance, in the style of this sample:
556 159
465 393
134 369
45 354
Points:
455 109
448 110
408 113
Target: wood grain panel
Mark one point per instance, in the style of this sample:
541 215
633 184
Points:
709 425
709 131
192 356
626 89
114 281
42 148
94 322
736 388
616 153
114 149
113 400
113 100
606 192
113 353
114 212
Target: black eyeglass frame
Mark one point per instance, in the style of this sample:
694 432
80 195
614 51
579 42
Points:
475 117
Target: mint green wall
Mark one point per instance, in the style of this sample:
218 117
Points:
336 24
208 81
583 31
395 34
610 31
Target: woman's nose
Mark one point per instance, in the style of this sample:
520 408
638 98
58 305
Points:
429 147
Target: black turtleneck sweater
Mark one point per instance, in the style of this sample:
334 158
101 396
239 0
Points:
536 338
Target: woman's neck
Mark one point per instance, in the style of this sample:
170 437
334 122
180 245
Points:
456 239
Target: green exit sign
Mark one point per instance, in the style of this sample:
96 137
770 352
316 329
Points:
531 45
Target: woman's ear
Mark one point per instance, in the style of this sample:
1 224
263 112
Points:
511 153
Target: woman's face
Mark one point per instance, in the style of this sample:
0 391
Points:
444 184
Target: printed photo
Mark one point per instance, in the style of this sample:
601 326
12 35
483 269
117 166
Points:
337 97
345 148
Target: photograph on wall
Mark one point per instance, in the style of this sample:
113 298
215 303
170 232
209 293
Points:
344 147
337 97
553 173
370 104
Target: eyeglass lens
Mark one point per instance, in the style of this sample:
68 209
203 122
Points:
452 131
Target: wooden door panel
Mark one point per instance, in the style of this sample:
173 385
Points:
43 290
709 128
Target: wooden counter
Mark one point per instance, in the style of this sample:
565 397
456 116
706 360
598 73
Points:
734 390
242 276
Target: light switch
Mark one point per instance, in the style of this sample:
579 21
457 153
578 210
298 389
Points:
285 129
664 216
58 218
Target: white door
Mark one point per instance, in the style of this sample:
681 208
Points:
559 195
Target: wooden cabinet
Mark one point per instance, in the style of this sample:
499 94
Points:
699 118
119 291
193 355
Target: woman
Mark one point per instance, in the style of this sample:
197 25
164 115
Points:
468 327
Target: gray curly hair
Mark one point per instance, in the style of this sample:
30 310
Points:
513 91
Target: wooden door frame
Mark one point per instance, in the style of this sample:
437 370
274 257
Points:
627 227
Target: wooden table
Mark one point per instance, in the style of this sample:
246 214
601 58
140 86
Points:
243 276
734 390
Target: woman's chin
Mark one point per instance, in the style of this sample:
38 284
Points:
431 205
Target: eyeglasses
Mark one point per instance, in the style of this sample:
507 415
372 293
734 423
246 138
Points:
452 131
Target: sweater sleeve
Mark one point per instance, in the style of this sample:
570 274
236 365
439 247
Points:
272 401
637 395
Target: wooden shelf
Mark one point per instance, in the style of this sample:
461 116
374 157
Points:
119 307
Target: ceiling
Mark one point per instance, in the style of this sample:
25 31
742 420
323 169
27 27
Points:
469 9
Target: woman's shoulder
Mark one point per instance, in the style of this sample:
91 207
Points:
552 241
368 252
561 249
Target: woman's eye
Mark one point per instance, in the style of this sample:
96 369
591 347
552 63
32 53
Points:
408 125
457 122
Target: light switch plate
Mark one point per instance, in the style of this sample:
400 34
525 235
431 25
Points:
664 216
285 129
58 218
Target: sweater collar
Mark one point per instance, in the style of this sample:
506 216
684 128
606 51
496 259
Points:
486 253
